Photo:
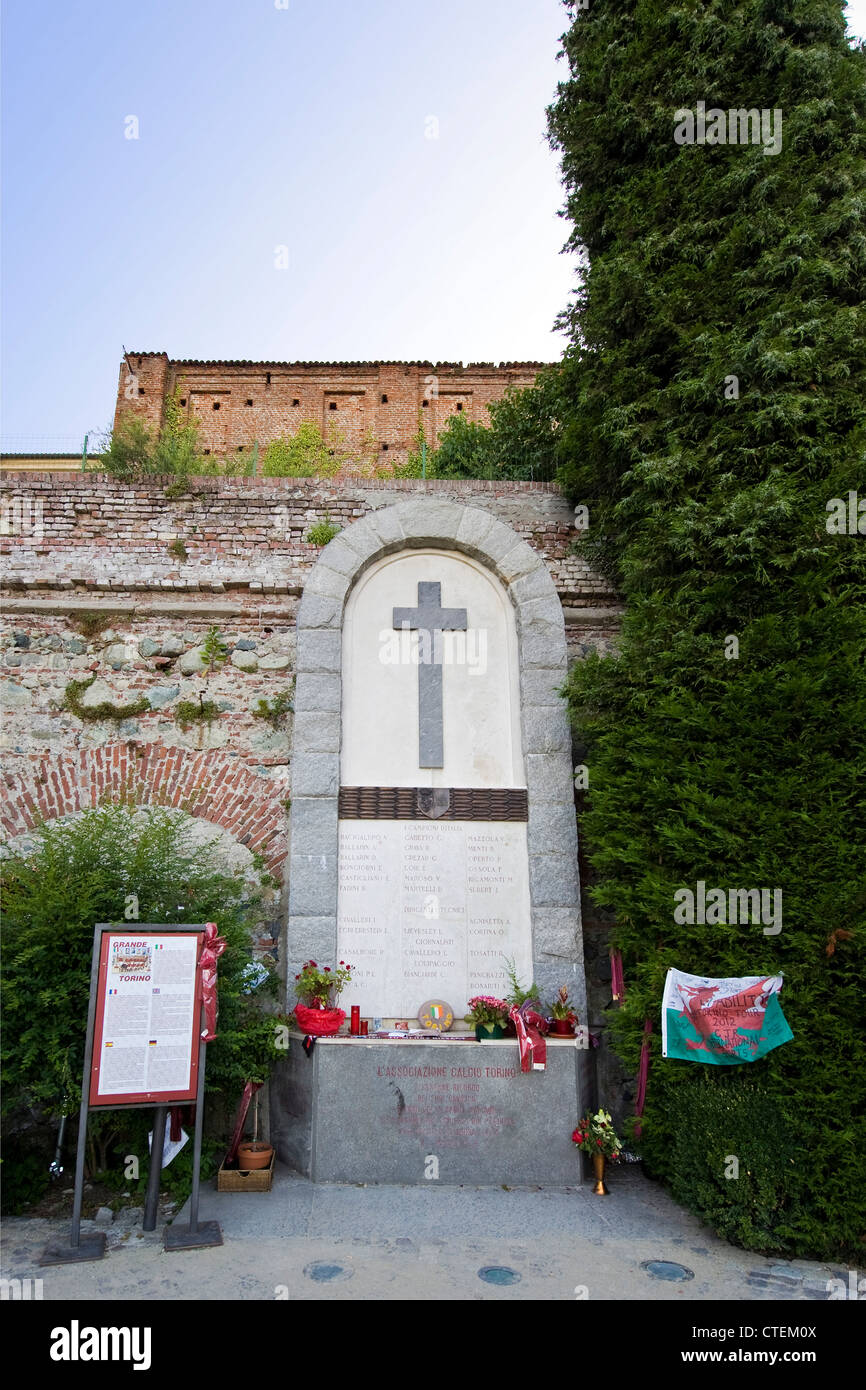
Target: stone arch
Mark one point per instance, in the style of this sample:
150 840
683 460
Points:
553 874
212 786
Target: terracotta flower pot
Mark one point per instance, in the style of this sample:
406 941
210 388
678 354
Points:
254 1156
321 1023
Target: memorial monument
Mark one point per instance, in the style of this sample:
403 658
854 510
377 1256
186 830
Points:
432 839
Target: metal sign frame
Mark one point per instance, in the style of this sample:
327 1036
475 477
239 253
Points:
133 1099
92 1246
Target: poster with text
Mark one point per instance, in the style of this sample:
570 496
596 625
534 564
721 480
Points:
146 1033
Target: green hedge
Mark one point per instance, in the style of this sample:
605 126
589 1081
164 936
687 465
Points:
714 405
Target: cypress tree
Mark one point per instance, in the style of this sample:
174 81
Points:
716 387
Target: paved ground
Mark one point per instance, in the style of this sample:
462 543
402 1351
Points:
325 1241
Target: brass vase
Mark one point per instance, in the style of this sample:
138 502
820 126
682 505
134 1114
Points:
598 1168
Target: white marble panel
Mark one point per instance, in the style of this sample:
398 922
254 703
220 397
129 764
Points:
430 909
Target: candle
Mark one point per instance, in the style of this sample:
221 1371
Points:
364 1027
356 1015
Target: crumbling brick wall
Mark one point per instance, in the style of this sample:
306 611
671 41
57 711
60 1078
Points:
376 406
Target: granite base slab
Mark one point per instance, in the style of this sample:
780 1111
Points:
438 1110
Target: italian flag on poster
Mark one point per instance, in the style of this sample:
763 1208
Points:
723 1022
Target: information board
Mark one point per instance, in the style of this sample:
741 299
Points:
147 1020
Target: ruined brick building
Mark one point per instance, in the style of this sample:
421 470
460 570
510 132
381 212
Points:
374 407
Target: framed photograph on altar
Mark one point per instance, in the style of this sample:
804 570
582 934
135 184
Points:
147 1017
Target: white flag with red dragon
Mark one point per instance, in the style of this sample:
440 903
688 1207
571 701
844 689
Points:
722 1022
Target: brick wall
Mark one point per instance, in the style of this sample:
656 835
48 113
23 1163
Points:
78 544
89 531
360 405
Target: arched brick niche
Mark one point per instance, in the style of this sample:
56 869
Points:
552 835
212 786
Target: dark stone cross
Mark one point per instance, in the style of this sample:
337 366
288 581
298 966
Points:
430 618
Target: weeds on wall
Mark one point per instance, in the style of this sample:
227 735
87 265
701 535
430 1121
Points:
214 651
105 709
275 711
322 532
187 712
91 624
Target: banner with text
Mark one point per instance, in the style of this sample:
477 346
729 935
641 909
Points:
722 1022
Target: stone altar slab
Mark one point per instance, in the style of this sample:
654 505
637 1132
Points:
377 1112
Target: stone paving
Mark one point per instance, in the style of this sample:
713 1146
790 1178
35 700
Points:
305 1241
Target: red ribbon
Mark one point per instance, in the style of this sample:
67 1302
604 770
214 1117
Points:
642 1073
249 1091
616 976
533 1048
212 948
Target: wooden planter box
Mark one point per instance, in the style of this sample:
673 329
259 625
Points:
246 1180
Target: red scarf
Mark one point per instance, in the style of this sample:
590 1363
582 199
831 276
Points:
212 948
533 1048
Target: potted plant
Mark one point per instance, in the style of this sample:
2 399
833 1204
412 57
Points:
596 1136
563 1014
317 988
517 995
488 1016
251 1153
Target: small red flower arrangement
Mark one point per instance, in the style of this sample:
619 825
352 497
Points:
595 1134
317 987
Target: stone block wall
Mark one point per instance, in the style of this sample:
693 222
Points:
75 544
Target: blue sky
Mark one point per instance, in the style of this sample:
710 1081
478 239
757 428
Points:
306 127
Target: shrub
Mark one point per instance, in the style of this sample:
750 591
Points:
133 450
466 450
302 455
733 1158
81 872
